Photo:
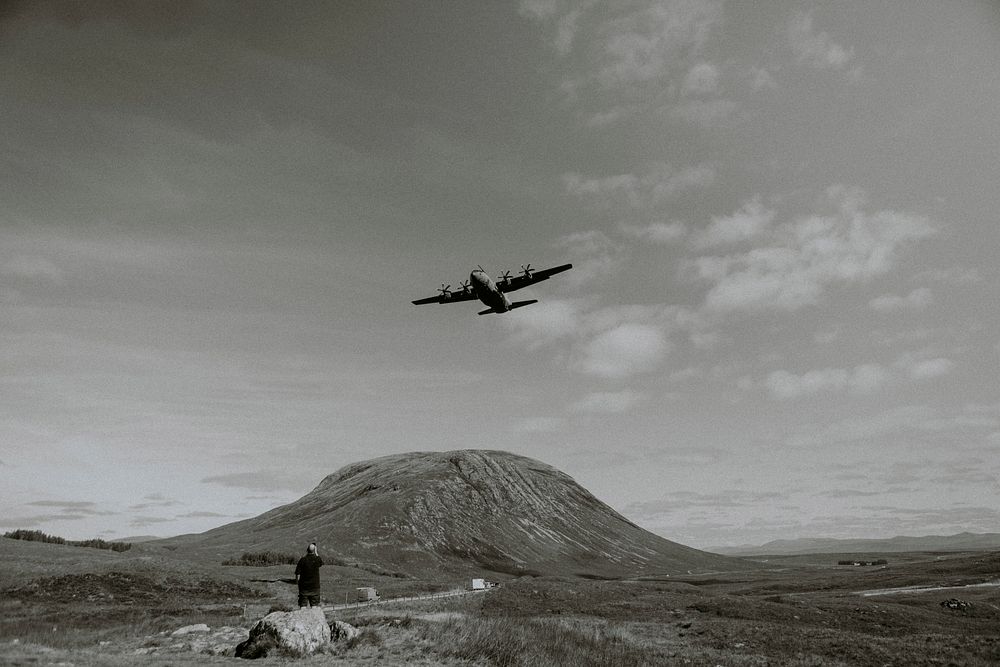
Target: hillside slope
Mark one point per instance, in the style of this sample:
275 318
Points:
459 511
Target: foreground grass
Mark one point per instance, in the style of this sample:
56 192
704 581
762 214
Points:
801 619
517 641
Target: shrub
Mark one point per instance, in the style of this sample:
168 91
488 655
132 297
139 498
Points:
39 536
263 559
34 536
368 636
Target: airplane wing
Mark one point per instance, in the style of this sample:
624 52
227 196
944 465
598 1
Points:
451 297
517 282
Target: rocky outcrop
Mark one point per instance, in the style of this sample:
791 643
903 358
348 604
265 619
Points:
296 633
194 639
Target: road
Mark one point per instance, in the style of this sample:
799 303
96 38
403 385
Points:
923 589
426 596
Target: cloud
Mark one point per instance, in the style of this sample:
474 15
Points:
594 255
750 221
816 49
706 113
628 51
27 266
683 501
918 299
261 480
860 379
611 342
38 519
607 402
72 507
956 275
546 322
538 425
659 183
155 503
143 521
795 262
539 10
761 79
931 368
656 232
702 79
201 515
625 350
904 424
65 504
642 45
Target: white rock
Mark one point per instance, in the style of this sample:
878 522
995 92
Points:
188 629
298 632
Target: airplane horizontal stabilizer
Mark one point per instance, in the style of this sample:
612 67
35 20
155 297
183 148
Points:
487 311
518 304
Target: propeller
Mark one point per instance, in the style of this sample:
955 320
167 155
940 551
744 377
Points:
445 290
465 286
504 277
526 270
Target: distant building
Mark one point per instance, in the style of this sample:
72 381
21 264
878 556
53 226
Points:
863 563
482 584
367 594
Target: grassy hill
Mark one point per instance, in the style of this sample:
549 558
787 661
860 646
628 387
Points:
462 511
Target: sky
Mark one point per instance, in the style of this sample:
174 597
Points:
781 322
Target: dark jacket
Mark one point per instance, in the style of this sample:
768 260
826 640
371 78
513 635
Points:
307 572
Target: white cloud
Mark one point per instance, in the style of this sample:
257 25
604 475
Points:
544 323
29 266
898 424
761 79
566 31
656 232
607 402
539 10
610 116
750 221
659 183
642 45
636 51
816 49
538 425
707 113
594 255
956 275
930 368
860 379
918 299
702 79
798 260
625 350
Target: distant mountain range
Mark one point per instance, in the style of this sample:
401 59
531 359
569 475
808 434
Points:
820 545
460 511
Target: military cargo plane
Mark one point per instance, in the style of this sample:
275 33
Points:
493 294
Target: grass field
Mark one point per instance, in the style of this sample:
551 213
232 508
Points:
91 607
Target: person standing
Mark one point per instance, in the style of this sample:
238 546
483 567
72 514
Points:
307 577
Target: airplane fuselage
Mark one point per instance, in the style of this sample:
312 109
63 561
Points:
487 291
